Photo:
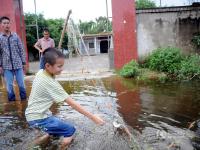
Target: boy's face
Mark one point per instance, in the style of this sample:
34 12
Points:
46 34
57 68
5 25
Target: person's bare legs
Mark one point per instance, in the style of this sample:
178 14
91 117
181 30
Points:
41 140
65 142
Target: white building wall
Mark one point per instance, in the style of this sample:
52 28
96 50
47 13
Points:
92 51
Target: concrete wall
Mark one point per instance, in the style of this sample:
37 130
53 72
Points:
174 26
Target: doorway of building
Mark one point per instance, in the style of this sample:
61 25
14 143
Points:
104 46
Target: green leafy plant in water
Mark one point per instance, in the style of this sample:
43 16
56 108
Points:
148 75
165 59
130 69
196 40
190 67
163 79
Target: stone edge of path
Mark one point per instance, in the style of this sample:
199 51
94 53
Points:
72 76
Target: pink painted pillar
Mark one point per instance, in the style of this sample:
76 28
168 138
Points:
124 32
14 10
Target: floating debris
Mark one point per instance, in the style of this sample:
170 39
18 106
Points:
116 124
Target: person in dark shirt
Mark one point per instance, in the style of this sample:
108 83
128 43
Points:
12 59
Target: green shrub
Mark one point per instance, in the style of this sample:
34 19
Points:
190 67
196 40
149 75
130 69
165 59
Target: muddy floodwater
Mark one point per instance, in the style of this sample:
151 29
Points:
138 115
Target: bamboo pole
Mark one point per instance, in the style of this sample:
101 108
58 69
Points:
64 29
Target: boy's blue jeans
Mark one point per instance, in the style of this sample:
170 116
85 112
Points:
9 78
54 126
42 62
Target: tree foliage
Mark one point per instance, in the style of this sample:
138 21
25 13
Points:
31 34
54 25
101 24
145 4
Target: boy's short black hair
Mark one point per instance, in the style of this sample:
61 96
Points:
4 18
45 30
51 54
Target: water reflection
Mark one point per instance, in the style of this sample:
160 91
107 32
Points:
128 99
14 109
161 112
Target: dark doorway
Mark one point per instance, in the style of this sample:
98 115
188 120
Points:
104 46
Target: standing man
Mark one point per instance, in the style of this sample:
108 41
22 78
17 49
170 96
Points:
12 59
42 44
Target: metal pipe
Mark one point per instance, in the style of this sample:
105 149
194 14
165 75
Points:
107 23
36 24
107 13
36 20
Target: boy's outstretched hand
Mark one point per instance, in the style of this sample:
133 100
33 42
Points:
98 120
83 111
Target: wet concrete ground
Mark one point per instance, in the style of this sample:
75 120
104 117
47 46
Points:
79 68
85 64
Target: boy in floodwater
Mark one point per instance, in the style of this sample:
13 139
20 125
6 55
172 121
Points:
45 91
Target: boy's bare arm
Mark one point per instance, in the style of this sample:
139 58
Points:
83 111
38 48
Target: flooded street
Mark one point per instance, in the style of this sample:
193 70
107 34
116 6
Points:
158 116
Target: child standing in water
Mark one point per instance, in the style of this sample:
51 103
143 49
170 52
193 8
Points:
45 91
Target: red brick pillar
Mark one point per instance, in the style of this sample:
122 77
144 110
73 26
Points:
124 31
14 10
